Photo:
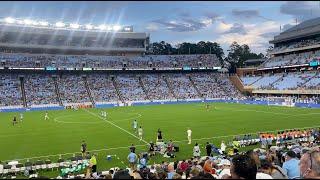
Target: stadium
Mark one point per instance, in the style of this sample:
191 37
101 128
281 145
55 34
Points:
92 101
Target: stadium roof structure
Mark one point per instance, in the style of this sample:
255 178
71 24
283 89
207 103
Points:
305 29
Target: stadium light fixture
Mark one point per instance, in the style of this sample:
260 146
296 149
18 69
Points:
74 26
60 24
89 26
116 28
9 20
43 23
127 28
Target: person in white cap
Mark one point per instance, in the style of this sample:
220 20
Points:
225 168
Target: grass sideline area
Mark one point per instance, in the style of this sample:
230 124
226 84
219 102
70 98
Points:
36 138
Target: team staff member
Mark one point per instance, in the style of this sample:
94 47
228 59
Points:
83 148
93 163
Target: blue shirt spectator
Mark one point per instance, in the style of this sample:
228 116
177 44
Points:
132 157
291 166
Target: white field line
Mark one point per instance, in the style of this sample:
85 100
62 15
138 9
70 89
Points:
115 125
140 145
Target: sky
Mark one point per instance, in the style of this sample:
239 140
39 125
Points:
250 22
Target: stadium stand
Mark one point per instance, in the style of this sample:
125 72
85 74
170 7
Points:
10 90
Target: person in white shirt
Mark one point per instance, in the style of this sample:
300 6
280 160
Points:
223 147
46 117
196 151
189 132
21 117
140 133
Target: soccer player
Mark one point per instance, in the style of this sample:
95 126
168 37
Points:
207 107
104 114
140 133
14 121
21 117
135 125
46 117
83 148
189 135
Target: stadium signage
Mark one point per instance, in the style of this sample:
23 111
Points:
51 68
314 63
216 67
87 69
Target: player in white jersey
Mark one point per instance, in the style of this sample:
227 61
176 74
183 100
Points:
140 133
189 132
46 116
21 117
135 125
104 114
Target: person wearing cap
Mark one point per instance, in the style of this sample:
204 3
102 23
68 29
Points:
291 165
225 168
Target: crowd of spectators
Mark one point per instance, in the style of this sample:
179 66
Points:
292 59
300 44
102 88
288 154
40 90
72 89
182 87
284 81
10 88
130 88
117 62
156 87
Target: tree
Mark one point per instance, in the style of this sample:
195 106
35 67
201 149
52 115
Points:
238 54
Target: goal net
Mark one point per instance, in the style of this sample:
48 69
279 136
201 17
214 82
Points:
281 101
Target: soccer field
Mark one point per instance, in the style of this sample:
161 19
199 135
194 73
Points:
36 138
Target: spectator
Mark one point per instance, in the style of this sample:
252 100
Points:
170 171
93 163
310 165
243 167
132 158
208 149
196 151
223 147
291 165
274 171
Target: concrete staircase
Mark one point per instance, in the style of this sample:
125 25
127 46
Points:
88 90
56 87
115 85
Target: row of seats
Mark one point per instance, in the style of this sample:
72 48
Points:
80 61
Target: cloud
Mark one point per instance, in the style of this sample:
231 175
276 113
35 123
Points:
269 35
152 27
302 10
184 25
247 14
256 36
212 15
237 28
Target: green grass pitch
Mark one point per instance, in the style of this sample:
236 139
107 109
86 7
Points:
63 133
